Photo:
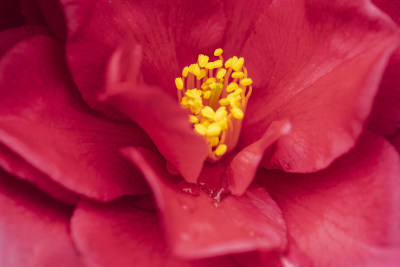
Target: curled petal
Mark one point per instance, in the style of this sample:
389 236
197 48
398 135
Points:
44 121
155 111
198 226
187 27
346 215
321 70
33 228
130 236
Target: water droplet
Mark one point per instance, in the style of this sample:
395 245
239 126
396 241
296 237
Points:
216 204
190 189
185 207
251 233
219 195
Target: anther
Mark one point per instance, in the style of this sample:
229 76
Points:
218 52
216 100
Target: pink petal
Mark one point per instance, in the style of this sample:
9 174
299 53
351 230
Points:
10 37
184 28
385 117
395 140
130 236
390 7
198 226
44 122
244 165
16 165
54 16
156 112
31 12
320 69
234 173
242 17
33 228
346 215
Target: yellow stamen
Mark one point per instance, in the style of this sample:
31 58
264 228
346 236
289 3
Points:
193 119
237 113
214 129
232 87
216 100
207 95
228 63
202 74
237 66
246 82
203 60
221 149
179 83
237 74
221 73
213 141
185 72
218 52
200 129
208 112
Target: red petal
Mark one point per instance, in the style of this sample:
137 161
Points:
13 163
45 122
54 17
390 7
198 226
165 122
348 214
10 15
33 228
385 117
242 17
235 173
163 28
31 12
10 37
244 165
321 70
395 140
130 236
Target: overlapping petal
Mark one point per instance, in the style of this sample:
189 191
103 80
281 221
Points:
385 117
10 15
10 37
155 111
395 140
44 121
198 226
33 228
54 18
13 163
170 31
130 235
346 215
321 70
235 173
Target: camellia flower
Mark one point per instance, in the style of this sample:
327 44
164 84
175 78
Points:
212 133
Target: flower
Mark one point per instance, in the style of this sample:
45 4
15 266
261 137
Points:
91 129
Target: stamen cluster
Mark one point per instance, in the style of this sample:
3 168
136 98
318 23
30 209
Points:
216 94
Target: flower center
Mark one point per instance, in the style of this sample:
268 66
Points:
216 94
